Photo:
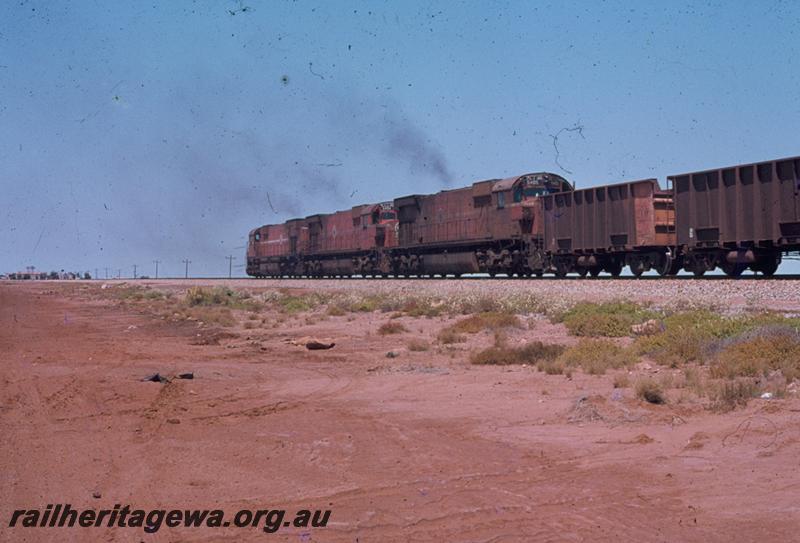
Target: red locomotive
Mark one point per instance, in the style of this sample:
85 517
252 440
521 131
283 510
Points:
735 218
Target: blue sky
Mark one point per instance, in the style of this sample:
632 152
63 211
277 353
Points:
166 130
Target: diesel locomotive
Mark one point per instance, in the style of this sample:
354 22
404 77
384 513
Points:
735 218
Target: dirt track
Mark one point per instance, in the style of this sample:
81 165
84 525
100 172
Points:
422 447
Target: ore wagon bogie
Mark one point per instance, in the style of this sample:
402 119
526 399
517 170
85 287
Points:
734 218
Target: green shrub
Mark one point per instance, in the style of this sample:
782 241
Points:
609 319
223 296
698 335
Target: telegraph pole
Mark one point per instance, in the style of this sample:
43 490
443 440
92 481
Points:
119 273
96 274
156 262
187 262
106 272
134 271
230 265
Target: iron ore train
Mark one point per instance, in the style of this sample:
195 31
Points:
735 218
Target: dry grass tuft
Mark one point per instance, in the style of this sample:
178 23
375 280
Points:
532 353
489 320
597 356
418 345
391 327
621 381
728 395
446 336
650 391
758 353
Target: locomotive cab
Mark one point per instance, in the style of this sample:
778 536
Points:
531 186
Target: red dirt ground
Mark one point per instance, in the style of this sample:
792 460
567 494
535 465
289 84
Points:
422 447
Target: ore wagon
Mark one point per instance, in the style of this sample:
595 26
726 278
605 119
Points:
606 228
738 217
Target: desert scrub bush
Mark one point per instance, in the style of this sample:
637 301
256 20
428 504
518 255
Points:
446 336
137 293
608 319
300 303
596 356
489 320
621 381
758 352
220 296
730 394
423 308
650 391
694 336
532 353
335 311
418 345
391 327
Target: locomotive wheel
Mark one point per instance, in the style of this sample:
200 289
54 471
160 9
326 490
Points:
699 272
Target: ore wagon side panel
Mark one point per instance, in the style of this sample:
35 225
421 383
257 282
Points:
747 205
611 218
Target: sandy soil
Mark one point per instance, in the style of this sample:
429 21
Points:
421 447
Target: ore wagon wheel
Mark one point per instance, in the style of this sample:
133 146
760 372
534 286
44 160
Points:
734 269
582 271
637 267
668 266
594 271
614 268
562 269
768 264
